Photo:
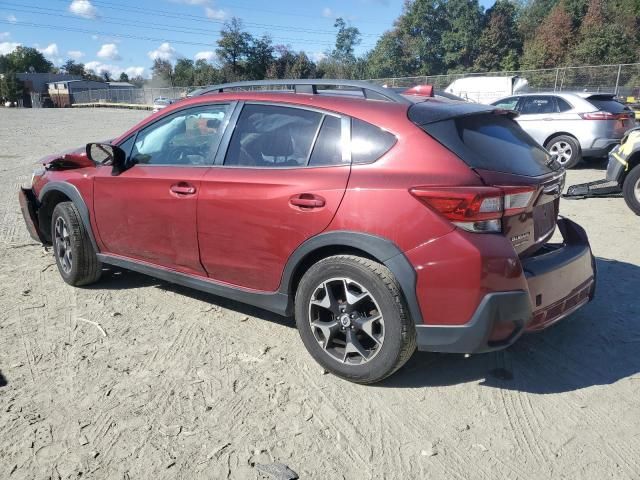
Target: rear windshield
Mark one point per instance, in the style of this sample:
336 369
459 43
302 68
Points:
492 142
607 105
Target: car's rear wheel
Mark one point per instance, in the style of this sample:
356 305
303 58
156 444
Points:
74 253
353 320
566 149
631 190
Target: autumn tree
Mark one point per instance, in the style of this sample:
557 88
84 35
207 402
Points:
500 43
552 40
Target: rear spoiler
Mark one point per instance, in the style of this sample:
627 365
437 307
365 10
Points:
420 91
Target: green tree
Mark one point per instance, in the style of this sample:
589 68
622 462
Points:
460 38
184 72
163 70
24 59
124 77
73 68
259 57
302 67
388 58
205 74
233 46
347 39
10 87
500 44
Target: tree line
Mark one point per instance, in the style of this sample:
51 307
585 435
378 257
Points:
430 37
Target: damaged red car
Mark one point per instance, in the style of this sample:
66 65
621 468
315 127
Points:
383 222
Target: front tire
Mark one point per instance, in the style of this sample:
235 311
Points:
631 190
566 149
74 253
353 320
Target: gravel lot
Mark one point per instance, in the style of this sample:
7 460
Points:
187 385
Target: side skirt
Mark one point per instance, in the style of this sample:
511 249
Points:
274 302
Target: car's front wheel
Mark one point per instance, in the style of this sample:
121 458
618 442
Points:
566 149
353 320
631 190
74 253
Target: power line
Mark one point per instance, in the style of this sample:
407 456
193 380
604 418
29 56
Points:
164 27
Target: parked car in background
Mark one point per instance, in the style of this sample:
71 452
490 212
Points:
381 223
160 103
571 125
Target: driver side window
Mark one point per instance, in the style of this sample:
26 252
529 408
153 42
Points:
188 138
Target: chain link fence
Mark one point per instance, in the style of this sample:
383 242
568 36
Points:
623 80
131 96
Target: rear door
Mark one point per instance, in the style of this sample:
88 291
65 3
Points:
148 212
538 116
279 182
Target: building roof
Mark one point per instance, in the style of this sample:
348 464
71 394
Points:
121 84
39 81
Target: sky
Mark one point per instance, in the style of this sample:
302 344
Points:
126 36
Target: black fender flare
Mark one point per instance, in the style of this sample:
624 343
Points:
380 248
72 192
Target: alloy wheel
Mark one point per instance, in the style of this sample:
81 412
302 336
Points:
346 321
636 190
562 151
63 245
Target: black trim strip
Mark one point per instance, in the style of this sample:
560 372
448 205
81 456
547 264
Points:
274 302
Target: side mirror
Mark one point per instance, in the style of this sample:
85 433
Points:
107 154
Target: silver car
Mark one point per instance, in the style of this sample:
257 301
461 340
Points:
571 125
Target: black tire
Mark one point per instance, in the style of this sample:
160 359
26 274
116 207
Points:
74 253
565 143
631 190
398 337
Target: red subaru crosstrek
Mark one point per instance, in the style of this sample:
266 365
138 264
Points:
382 222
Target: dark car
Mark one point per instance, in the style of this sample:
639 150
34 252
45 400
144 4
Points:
382 224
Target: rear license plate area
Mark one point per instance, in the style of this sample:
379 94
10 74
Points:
544 219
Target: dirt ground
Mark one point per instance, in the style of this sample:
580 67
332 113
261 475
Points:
179 384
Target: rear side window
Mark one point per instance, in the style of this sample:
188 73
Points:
507 104
491 142
368 142
272 136
328 147
563 105
607 105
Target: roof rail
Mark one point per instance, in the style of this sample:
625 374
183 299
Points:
310 86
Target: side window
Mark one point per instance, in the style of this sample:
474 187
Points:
127 144
563 105
537 105
507 103
188 137
368 142
269 136
328 147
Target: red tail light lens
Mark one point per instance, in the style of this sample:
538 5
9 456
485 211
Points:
605 116
476 209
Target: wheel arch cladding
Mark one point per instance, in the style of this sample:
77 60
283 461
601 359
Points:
366 245
52 194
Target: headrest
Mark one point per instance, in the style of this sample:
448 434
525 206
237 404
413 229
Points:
277 144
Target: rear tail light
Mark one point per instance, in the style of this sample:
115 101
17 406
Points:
605 116
476 209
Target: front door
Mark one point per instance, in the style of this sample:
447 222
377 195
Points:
281 182
148 212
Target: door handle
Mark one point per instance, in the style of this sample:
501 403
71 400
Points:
307 200
183 188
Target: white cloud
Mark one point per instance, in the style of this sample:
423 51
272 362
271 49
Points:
114 70
83 8
50 51
327 12
109 51
208 56
8 47
317 56
4 35
12 18
215 14
163 52
75 54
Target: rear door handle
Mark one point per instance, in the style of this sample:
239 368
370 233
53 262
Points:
183 188
307 200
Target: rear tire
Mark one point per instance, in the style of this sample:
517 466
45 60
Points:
631 190
74 253
353 320
567 150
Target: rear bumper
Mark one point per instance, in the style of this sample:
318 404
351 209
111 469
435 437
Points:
600 147
558 281
29 208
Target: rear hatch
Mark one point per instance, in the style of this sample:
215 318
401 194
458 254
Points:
507 160
619 118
